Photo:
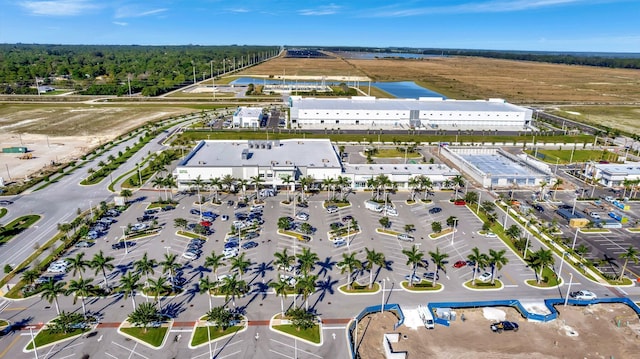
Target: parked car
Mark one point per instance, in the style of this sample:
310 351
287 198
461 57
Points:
415 279
490 235
460 264
460 202
251 235
538 208
194 211
339 243
290 280
84 244
347 218
149 212
405 237
302 216
168 208
498 327
302 205
435 210
431 275
123 245
305 239
333 209
5 202
138 226
583 295
249 245
190 255
146 218
484 277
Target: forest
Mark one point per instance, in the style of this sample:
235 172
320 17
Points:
110 69
611 60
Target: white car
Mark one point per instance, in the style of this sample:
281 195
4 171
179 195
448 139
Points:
333 209
290 280
584 295
230 252
339 243
224 217
405 237
391 212
484 277
138 226
415 279
302 216
490 235
189 255
239 224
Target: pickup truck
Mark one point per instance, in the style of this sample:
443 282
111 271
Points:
498 327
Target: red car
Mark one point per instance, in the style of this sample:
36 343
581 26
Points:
459 264
205 223
459 202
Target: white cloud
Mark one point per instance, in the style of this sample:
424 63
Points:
133 11
320 10
58 7
239 10
120 23
471 7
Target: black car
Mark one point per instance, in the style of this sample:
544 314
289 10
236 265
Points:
123 245
194 211
249 245
168 208
229 203
5 202
146 218
302 205
435 210
150 212
504 325
538 208
197 241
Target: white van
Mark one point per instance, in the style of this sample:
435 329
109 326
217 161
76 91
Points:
426 316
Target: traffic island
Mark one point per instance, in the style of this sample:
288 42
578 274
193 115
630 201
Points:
442 233
205 331
497 285
298 324
154 336
62 328
359 289
422 286
16 226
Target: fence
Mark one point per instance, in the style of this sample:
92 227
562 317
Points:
368 310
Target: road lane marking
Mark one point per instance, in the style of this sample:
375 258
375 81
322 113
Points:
4 352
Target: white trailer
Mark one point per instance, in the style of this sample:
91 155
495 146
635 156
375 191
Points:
373 206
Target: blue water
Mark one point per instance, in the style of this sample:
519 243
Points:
406 89
403 89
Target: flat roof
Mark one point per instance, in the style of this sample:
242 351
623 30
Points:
629 168
249 111
499 166
399 169
302 153
386 104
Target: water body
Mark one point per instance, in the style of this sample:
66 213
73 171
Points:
402 89
374 55
406 89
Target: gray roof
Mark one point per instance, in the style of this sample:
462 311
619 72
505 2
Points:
399 169
629 168
301 153
423 104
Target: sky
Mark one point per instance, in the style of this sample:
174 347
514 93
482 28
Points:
534 25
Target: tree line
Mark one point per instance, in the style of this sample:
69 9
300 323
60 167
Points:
106 69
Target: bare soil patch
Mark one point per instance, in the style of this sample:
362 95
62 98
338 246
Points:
579 332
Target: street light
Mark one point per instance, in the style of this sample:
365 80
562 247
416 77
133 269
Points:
384 282
526 245
33 341
91 208
566 296
561 263
575 237
455 223
124 238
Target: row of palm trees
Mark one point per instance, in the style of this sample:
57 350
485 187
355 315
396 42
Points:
495 259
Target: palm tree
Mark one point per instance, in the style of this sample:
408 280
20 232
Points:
214 261
129 283
145 266
215 183
541 259
307 260
305 185
232 288
51 290
242 183
480 259
341 183
348 264
227 181
159 287
414 185
438 259
426 184
373 258
414 257
287 180
126 193
81 288
459 182
373 184
497 261
327 184
78 264
206 286
256 181
557 185
169 182
630 255
306 286
180 223
170 265
542 185
30 276
102 264
283 260
144 315
241 264
158 182
281 288
198 182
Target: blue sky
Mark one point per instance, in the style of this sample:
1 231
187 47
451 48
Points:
551 25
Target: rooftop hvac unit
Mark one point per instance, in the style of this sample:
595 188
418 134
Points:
269 146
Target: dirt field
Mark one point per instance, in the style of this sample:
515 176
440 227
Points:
55 132
579 332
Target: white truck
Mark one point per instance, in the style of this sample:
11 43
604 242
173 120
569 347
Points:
373 206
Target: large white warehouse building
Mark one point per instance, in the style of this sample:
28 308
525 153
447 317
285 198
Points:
426 112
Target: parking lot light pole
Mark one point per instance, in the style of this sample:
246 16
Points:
33 341
575 237
526 244
455 224
573 211
124 238
566 296
384 283
561 263
479 201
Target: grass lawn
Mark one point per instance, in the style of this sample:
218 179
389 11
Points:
191 235
483 285
312 334
387 231
45 337
200 336
393 153
154 205
153 336
549 279
564 156
16 226
3 211
442 233
3 323
360 288
422 286
297 235
634 230
337 204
